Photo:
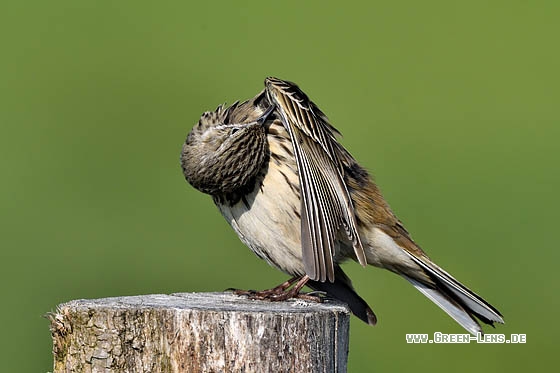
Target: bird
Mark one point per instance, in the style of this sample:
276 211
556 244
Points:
275 168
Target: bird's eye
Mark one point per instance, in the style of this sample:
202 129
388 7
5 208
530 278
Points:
234 130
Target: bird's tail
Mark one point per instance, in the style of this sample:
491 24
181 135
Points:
454 298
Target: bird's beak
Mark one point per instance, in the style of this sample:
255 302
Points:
265 115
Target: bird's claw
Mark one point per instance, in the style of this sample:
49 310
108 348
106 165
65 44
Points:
283 292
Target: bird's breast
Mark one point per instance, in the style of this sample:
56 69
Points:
267 219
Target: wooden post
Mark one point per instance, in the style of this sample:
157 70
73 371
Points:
199 332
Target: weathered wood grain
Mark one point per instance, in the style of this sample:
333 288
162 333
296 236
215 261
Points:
199 332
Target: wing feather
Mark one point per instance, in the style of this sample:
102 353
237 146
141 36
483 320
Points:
326 203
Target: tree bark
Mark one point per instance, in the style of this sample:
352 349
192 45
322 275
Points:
199 332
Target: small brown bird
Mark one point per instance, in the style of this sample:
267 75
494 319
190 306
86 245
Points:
301 202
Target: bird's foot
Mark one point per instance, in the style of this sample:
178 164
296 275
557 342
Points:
283 292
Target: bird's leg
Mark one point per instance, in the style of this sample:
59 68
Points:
295 292
283 292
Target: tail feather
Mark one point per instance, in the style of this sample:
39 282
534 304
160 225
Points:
450 306
342 290
455 298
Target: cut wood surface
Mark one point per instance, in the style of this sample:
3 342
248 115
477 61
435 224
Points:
199 332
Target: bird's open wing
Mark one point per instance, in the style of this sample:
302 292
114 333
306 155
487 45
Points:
326 202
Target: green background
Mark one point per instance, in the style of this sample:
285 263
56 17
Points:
453 106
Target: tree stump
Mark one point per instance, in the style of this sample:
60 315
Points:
199 332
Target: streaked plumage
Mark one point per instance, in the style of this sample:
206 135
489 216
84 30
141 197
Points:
301 202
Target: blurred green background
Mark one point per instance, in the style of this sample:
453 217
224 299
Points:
453 106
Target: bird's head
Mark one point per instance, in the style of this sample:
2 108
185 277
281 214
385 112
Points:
225 149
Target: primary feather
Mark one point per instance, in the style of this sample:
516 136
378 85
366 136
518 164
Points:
326 202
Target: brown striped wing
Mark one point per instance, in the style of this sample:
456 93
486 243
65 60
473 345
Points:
326 203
